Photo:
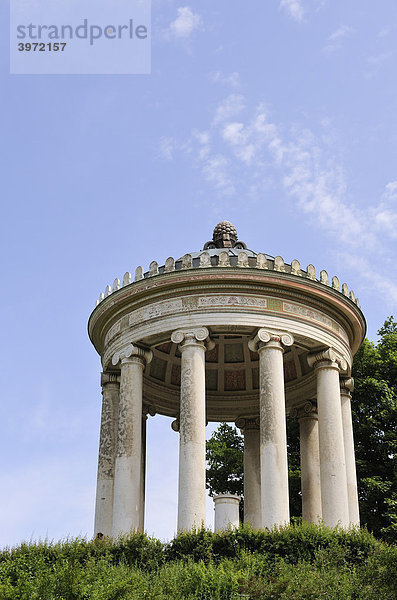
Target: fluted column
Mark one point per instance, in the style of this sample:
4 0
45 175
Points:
250 428
310 463
273 437
107 453
346 387
128 465
192 421
334 501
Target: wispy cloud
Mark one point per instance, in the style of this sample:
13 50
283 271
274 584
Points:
335 40
245 145
232 79
185 24
293 8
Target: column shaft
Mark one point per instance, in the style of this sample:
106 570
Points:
273 437
143 476
192 420
332 453
351 477
310 469
252 478
107 454
127 483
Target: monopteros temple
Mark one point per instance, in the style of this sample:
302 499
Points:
228 334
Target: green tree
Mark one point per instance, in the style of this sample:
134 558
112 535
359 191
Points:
374 410
225 461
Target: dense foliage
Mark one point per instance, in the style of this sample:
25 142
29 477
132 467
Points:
294 563
374 411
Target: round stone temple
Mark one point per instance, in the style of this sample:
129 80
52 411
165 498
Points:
225 235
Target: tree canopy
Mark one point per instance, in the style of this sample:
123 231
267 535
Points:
374 413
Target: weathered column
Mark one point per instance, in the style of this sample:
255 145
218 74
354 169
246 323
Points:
335 509
346 387
252 471
310 463
192 421
273 436
107 453
128 466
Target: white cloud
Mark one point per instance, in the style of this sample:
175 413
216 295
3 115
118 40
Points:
185 23
334 41
228 108
232 80
167 147
293 8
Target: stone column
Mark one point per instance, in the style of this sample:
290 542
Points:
252 471
143 474
107 453
310 463
346 386
128 466
335 509
192 421
273 436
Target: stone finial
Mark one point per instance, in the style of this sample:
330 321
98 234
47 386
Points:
205 260
279 264
324 277
101 296
357 302
169 265
132 350
261 261
352 296
127 278
345 289
116 284
335 283
225 235
242 259
153 268
311 272
224 260
108 291
139 273
264 336
187 261
296 268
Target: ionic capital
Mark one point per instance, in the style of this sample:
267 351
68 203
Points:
175 425
327 359
109 377
308 410
131 352
149 410
192 337
248 424
269 339
346 385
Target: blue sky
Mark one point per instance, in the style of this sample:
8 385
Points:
278 115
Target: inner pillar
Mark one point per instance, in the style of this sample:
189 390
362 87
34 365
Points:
346 387
192 422
310 463
250 428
